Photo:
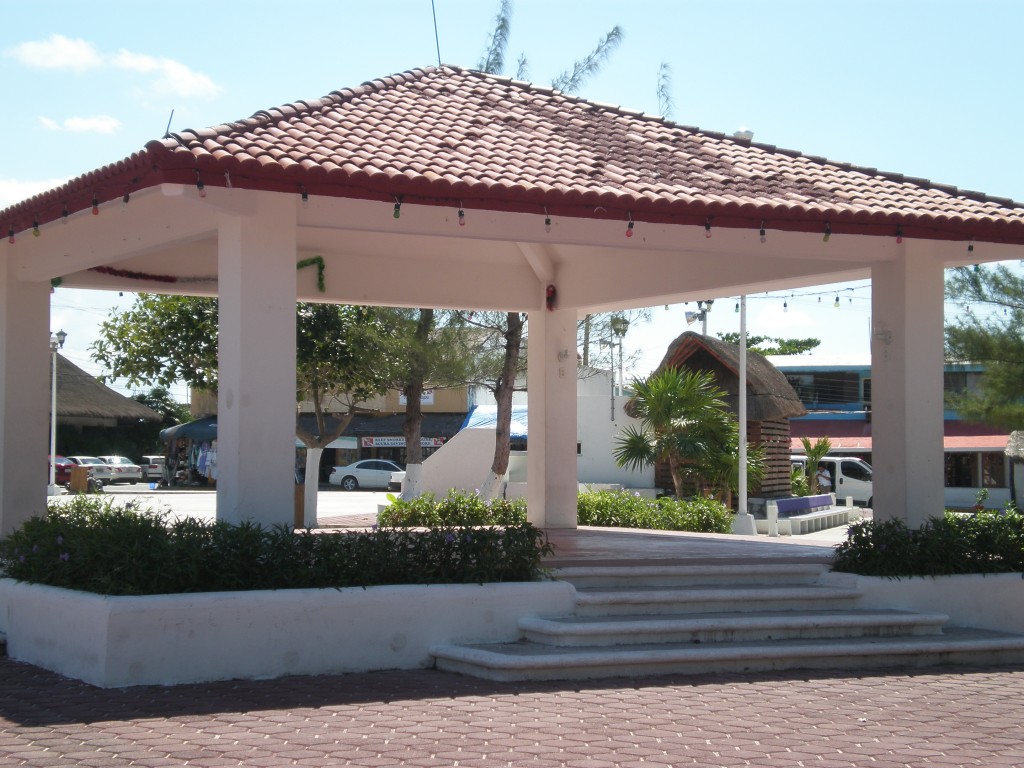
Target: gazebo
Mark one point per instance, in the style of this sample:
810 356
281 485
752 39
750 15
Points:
447 187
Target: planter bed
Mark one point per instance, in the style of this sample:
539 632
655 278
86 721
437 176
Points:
169 639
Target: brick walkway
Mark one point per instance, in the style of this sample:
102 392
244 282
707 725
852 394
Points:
949 717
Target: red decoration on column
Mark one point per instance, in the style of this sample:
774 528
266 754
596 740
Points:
551 297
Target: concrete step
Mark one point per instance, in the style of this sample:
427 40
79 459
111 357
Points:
710 599
689 575
727 627
530 661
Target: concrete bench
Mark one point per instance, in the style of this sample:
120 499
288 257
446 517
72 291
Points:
803 514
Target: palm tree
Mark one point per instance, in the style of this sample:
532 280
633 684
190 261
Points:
815 452
685 421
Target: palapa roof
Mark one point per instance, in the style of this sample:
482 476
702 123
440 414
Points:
457 137
80 394
769 395
1015 446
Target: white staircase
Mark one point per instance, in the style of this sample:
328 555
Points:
689 619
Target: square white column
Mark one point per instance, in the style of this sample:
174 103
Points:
25 394
551 388
907 388
256 392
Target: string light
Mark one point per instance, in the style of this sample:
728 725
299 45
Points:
462 215
95 206
35 228
737 306
836 305
64 213
547 221
828 232
10 236
785 306
629 227
398 207
970 246
707 227
125 199
200 186
305 197
764 237
899 234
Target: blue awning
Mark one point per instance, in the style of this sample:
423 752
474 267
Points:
486 416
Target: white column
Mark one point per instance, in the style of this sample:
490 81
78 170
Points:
25 395
551 388
906 386
256 393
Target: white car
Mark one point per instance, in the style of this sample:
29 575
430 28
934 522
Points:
368 473
123 470
97 467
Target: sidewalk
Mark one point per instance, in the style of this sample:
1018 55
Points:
949 717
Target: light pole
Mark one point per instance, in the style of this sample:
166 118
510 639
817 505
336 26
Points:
56 342
619 325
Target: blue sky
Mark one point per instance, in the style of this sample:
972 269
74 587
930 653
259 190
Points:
928 88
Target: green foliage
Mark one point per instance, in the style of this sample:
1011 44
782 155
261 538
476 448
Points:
97 546
990 541
621 509
814 452
773 345
799 483
455 509
988 332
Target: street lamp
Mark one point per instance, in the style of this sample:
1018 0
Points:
56 342
703 307
619 325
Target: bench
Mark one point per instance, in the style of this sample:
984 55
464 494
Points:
803 514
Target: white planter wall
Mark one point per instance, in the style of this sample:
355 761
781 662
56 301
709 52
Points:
169 639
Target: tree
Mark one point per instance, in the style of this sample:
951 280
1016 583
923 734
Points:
685 421
773 345
815 452
988 332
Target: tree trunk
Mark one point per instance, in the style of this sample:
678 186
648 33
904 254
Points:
503 395
312 482
412 427
677 475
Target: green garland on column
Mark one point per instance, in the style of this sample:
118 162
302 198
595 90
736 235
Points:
319 261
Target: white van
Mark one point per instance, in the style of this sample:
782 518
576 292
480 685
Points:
850 477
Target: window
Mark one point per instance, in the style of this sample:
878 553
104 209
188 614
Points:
856 471
993 470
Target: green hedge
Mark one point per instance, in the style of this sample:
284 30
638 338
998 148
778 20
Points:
95 545
989 541
620 509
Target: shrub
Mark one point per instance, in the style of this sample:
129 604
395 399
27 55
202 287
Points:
989 541
97 546
622 509
457 508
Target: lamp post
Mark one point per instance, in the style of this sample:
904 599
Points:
56 342
619 325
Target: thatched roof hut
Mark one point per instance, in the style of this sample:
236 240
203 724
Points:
1015 447
769 394
771 400
83 400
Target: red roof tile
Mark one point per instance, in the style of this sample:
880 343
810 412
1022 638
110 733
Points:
448 135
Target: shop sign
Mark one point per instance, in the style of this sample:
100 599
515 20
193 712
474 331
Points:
398 442
426 398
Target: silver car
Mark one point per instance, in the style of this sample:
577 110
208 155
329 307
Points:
123 470
368 473
98 468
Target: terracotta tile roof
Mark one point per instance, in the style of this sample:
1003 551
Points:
449 136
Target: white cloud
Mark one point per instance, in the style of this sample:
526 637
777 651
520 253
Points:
57 52
94 124
166 76
15 190
172 77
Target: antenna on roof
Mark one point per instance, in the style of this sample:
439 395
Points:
437 40
167 133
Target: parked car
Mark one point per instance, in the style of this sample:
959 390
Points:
397 478
61 470
152 468
97 467
850 477
368 473
123 470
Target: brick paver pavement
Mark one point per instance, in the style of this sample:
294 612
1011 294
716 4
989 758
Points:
940 717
